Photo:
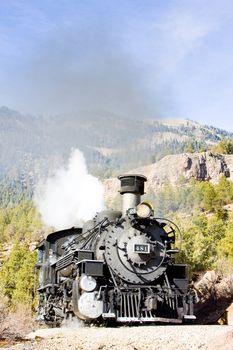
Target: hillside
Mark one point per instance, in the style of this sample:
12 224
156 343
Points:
201 209
32 146
174 168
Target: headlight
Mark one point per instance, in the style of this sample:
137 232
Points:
144 210
87 283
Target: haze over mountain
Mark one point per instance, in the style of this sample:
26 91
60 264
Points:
134 58
33 146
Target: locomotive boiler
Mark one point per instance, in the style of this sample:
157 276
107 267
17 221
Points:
118 267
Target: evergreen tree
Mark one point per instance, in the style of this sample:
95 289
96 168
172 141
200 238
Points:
225 246
21 222
17 275
24 284
11 268
209 196
224 147
224 191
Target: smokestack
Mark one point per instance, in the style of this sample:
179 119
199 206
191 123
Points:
132 187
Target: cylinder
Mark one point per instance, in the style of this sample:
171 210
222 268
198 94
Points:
132 187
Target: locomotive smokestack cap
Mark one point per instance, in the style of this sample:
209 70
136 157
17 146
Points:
132 183
132 187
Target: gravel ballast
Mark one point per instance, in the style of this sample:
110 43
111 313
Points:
130 338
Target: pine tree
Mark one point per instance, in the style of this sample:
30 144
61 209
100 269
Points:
209 196
225 246
24 284
11 268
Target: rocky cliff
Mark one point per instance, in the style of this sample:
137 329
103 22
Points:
201 166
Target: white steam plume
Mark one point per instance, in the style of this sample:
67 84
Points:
71 196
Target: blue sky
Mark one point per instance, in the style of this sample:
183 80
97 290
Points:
166 59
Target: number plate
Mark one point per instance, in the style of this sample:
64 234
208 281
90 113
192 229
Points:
142 248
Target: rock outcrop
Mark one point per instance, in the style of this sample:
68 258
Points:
201 166
215 296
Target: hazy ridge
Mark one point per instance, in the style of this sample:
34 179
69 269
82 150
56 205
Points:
32 146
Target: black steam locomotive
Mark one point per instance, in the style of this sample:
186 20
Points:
119 267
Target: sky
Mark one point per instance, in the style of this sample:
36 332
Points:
134 58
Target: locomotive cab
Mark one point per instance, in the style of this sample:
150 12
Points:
49 251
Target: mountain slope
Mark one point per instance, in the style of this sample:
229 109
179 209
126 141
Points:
31 146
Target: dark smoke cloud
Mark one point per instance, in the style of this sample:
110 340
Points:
87 69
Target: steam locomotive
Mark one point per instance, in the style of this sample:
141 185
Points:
119 267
